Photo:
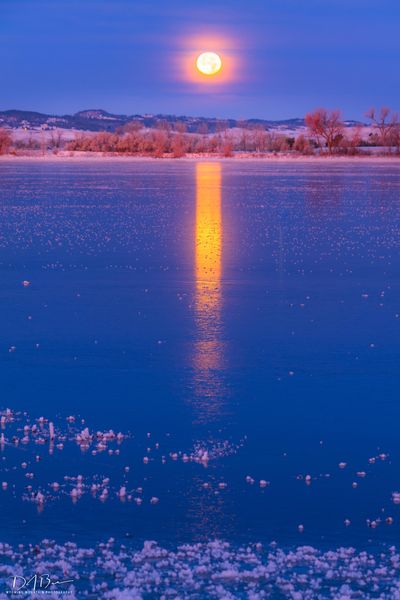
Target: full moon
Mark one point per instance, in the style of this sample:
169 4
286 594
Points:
209 63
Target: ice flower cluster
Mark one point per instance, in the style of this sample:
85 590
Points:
209 570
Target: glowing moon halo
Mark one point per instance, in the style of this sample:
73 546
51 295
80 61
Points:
209 63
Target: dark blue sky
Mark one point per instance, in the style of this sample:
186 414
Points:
283 57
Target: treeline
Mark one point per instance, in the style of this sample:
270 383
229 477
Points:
327 130
325 133
176 142
53 141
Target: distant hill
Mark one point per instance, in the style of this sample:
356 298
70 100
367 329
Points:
101 120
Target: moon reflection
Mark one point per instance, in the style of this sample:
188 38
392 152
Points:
208 512
208 242
209 385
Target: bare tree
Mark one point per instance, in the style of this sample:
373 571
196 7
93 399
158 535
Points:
325 125
245 136
351 143
131 127
180 127
56 139
385 121
259 138
395 138
161 142
163 125
221 126
202 129
5 141
43 144
303 145
226 144
178 145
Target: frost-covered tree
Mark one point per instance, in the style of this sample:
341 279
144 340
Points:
326 125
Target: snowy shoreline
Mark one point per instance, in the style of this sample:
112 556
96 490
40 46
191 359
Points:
242 157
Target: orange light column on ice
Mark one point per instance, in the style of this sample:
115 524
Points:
208 237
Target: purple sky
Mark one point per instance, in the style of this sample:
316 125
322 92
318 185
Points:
283 57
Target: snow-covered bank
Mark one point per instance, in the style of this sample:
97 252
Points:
203 570
240 156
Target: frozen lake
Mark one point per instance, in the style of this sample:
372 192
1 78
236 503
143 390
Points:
237 322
